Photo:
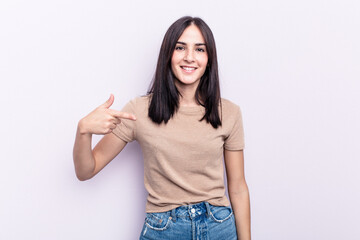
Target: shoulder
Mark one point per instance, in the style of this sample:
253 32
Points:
138 104
141 100
229 107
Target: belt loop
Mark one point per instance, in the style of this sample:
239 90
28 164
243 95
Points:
173 214
207 209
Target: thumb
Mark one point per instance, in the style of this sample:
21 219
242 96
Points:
109 102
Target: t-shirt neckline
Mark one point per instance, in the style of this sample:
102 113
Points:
191 109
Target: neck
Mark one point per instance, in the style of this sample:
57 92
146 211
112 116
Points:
187 98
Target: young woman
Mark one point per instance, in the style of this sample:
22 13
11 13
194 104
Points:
184 129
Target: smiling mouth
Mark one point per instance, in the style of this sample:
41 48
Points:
188 69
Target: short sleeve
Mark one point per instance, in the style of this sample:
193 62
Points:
235 139
126 129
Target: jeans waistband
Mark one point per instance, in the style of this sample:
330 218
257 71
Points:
191 210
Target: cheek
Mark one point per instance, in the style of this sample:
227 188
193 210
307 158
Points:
174 60
173 69
204 63
204 60
173 63
207 59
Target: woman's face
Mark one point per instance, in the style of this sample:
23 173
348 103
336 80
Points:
189 60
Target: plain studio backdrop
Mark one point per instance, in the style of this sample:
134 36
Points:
292 67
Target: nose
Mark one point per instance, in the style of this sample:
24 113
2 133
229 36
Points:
189 56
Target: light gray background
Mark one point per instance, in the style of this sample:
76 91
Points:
292 66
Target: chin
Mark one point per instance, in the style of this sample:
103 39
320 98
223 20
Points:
188 81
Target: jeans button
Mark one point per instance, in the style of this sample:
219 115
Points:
193 210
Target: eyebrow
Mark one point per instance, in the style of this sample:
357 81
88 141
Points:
196 44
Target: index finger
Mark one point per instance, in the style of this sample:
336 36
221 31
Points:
119 114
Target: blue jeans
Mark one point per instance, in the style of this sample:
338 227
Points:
201 221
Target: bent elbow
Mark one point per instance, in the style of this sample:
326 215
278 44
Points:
82 177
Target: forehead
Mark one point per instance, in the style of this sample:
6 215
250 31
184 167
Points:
192 34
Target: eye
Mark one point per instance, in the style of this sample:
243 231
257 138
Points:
200 49
179 48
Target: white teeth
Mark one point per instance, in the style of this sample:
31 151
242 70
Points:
188 68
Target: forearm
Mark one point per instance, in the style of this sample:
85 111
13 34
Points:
240 202
83 157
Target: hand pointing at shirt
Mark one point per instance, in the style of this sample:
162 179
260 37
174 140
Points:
102 120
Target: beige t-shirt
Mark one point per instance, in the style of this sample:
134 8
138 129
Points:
183 159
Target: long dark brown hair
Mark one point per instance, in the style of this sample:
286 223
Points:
165 96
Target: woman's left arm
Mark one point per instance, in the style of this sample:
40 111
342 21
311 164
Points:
238 192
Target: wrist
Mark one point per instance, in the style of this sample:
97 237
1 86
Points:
82 128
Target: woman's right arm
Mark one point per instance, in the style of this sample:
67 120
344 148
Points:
102 120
